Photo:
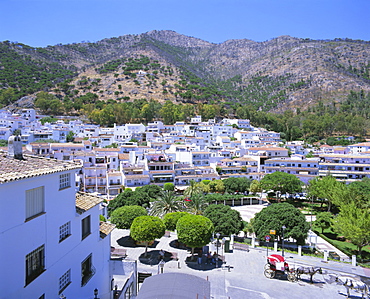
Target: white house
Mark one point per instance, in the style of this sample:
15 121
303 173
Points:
52 243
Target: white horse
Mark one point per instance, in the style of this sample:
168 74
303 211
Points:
354 284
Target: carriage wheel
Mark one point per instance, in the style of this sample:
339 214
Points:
269 273
292 277
267 266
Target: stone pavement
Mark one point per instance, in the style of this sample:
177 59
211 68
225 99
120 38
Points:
244 278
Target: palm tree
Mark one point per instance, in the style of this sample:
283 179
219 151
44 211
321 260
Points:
167 202
197 204
192 189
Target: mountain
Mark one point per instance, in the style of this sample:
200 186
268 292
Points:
275 75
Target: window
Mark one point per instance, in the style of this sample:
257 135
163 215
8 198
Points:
64 231
35 202
64 180
87 270
35 264
64 281
86 227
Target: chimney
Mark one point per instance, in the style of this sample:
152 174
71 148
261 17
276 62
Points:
15 147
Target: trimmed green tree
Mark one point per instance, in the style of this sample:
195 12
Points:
225 220
194 231
275 216
147 229
170 220
124 216
129 198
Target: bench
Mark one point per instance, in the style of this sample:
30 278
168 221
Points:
118 252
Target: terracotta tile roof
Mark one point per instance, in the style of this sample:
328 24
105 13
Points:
69 144
86 201
245 159
106 228
13 169
97 149
124 156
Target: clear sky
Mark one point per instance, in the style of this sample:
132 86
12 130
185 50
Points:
40 23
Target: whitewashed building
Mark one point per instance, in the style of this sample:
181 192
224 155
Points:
52 243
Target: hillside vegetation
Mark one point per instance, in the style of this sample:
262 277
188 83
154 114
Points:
159 73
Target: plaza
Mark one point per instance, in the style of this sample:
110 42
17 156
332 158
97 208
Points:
241 276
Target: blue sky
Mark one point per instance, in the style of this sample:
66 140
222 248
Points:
40 23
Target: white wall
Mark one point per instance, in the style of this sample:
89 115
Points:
19 238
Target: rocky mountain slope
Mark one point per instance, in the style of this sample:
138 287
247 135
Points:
275 75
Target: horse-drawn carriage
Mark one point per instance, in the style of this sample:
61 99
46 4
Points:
276 265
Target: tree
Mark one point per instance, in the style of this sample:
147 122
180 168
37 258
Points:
192 189
129 198
282 182
170 219
353 223
204 186
48 103
146 229
255 187
168 187
153 191
225 220
124 216
197 204
323 221
194 231
167 202
275 216
70 136
217 186
359 192
237 184
326 188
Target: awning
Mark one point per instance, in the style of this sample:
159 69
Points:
162 175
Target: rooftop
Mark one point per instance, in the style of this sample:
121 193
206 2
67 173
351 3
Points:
86 201
12 169
105 229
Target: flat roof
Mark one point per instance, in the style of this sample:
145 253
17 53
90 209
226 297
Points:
175 285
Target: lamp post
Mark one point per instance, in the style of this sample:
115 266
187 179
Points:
218 236
161 265
282 244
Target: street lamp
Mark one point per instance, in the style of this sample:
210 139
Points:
161 265
282 244
218 236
